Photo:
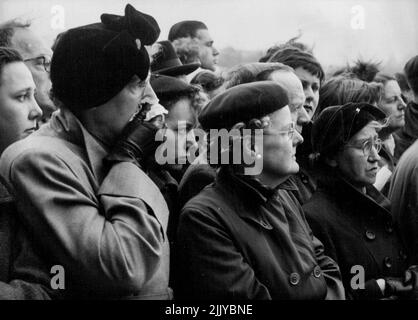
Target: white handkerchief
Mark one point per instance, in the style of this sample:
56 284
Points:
156 110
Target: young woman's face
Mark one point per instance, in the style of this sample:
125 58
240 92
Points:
18 108
357 162
393 105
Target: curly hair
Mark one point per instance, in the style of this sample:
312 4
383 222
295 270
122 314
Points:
187 49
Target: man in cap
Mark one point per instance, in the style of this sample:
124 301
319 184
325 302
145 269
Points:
83 194
197 30
245 236
37 56
166 62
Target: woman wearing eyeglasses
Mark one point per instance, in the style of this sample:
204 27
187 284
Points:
245 235
349 215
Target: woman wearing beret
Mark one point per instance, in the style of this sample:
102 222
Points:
245 235
349 215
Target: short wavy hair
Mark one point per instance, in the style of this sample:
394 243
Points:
251 72
342 89
8 55
295 58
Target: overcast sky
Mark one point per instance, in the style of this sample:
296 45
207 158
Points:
340 30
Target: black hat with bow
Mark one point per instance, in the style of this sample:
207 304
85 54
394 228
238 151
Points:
93 63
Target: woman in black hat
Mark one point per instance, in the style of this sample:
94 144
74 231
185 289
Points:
245 235
347 213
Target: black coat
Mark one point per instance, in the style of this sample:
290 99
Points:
356 229
240 240
17 280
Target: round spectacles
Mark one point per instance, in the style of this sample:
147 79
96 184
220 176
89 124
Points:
290 132
41 61
367 145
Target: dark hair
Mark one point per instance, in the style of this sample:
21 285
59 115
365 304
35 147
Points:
7 30
342 89
57 39
411 72
402 81
365 70
8 55
208 80
170 99
251 72
296 58
185 29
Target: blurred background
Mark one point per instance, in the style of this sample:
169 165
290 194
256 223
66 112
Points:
340 31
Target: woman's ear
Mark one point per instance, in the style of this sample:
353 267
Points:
253 150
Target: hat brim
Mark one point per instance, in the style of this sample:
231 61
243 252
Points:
178 70
377 113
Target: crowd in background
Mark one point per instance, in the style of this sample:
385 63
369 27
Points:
331 212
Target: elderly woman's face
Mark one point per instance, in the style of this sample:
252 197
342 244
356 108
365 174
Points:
279 143
357 161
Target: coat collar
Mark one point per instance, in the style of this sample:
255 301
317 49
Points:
248 195
64 124
248 185
344 191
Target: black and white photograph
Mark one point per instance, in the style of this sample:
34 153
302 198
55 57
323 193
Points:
208 154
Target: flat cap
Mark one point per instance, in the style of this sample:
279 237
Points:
243 103
336 125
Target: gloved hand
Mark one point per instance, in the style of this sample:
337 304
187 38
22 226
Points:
411 277
136 143
397 287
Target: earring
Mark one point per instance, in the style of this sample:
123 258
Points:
258 156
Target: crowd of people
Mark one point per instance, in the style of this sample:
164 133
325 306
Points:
140 170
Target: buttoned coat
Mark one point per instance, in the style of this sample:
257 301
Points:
105 227
235 242
357 231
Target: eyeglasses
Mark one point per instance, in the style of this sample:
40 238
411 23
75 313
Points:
46 63
367 145
290 132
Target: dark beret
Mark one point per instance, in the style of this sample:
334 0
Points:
336 125
91 64
166 87
243 103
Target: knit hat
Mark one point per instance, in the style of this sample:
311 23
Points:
93 63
